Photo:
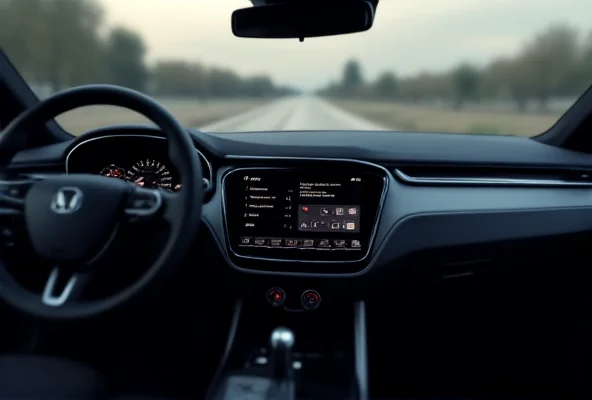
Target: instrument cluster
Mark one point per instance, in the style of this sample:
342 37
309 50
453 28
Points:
149 173
141 159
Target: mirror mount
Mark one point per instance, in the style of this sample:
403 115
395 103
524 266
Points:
298 19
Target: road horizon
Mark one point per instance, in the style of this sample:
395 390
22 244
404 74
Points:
297 113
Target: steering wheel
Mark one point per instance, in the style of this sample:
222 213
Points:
72 220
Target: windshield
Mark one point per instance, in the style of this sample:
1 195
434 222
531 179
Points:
465 66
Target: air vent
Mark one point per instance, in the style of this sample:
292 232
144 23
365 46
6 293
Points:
491 176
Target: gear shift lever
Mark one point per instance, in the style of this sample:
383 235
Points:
254 384
281 343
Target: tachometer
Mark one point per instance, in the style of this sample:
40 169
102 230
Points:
113 171
150 174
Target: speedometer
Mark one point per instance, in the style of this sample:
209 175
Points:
150 173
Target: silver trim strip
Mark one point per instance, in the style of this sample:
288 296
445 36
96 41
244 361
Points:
55 301
361 350
487 181
134 135
376 222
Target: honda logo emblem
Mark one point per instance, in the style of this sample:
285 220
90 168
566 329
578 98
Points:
66 201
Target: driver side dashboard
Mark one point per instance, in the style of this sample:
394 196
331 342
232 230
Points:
398 211
299 215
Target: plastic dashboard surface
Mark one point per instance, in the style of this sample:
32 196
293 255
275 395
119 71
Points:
417 219
414 218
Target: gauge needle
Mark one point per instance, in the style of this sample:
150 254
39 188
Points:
139 181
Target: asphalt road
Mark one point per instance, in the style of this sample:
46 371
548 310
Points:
293 114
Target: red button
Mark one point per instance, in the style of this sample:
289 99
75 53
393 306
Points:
310 300
276 297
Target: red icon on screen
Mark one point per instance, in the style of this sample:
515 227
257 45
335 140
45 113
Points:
305 209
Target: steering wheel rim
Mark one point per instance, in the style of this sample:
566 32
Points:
183 209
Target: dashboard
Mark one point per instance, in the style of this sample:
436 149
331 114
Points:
314 216
335 204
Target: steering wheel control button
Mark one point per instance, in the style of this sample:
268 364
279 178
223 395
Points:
311 300
17 191
276 297
143 202
7 237
13 193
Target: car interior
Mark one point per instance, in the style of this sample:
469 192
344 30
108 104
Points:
274 265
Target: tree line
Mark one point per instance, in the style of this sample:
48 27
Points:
64 43
555 63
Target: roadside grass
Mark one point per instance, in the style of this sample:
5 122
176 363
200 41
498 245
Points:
431 119
190 112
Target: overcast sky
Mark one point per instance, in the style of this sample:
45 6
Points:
408 35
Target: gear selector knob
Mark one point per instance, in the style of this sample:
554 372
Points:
281 344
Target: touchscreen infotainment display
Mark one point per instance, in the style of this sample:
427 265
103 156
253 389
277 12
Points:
299 215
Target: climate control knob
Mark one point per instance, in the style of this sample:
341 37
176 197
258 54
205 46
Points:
276 297
310 299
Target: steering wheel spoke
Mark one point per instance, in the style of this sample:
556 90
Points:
172 207
62 287
143 204
12 195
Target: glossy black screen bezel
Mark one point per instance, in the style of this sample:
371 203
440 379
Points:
373 196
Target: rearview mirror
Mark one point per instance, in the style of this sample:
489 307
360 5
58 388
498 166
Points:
303 19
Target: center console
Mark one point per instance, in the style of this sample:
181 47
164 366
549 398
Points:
322 215
308 217
320 355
